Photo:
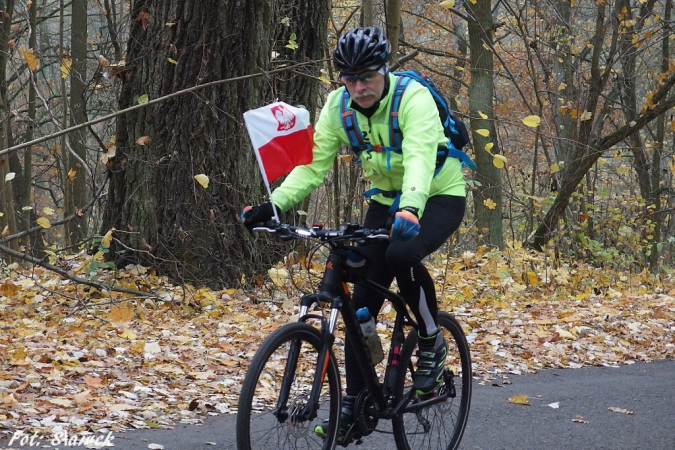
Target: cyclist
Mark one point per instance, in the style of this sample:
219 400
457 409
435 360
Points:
416 192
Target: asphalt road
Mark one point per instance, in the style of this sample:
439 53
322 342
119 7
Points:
592 413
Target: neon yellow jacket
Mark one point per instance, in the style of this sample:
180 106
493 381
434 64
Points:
411 172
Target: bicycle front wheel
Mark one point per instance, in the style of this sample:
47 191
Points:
441 425
277 387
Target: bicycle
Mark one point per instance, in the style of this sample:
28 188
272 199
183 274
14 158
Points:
293 381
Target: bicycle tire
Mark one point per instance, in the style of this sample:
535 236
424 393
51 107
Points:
258 428
439 426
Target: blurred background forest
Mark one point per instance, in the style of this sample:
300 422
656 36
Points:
111 108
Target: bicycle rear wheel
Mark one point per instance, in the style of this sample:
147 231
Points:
263 422
441 425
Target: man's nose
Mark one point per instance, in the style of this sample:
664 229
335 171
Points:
360 85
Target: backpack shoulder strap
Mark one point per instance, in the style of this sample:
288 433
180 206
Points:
351 126
395 135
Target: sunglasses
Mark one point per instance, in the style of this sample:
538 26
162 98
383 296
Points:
364 77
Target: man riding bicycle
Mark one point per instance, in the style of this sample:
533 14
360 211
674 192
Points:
417 191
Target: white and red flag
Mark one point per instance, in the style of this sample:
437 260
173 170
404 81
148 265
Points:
282 138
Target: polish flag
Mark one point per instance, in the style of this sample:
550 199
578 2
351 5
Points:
282 138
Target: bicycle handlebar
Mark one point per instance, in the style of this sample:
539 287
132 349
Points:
347 232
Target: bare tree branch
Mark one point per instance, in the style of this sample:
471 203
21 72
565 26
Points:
149 103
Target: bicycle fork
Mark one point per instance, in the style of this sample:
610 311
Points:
309 411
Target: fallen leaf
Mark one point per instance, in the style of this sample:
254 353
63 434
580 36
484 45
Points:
62 401
520 400
92 382
122 312
620 410
152 347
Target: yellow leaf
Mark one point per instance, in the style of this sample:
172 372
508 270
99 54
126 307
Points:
172 61
128 334
122 312
20 353
532 278
143 140
107 238
520 400
203 180
489 146
44 222
532 121
586 116
447 4
71 174
482 115
325 79
562 86
65 67
31 60
278 276
564 333
555 168
499 161
143 99
47 210
8 289
489 203
483 132
346 158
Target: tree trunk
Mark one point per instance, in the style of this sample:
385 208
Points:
487 196
160 212
393 24
7 216
75 186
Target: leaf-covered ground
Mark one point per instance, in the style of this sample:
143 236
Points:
83 360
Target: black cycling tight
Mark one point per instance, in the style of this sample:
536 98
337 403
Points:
403 260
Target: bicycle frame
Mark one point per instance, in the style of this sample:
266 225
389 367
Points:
333 290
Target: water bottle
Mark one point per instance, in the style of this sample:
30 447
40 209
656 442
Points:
367 323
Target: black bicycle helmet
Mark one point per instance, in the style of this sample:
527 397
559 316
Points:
361 48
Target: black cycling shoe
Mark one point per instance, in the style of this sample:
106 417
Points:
430 363
346 419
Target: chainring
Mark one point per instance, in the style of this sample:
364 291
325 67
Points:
365 413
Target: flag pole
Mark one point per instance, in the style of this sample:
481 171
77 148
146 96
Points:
274 207
267 183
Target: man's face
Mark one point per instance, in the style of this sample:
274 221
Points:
365 87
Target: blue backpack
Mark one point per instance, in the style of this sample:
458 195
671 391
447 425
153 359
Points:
455 130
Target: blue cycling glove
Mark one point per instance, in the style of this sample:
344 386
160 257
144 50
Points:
406 225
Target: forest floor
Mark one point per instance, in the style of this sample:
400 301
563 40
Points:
79 359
